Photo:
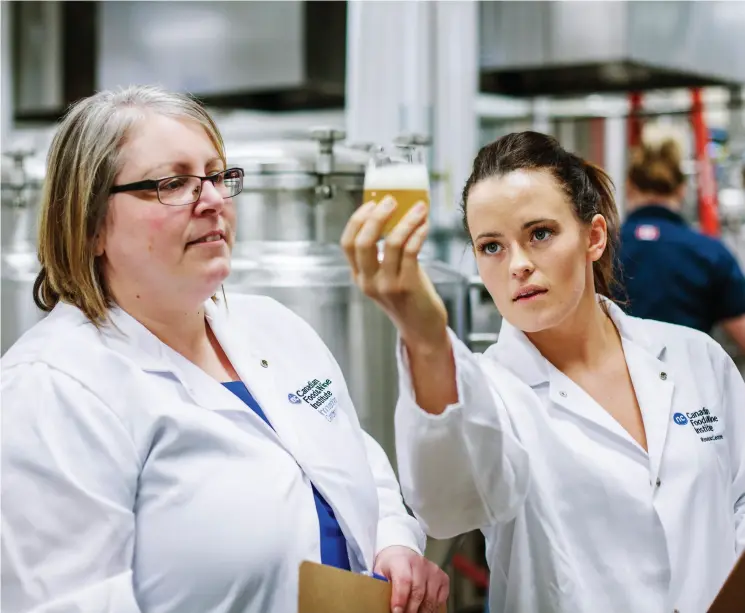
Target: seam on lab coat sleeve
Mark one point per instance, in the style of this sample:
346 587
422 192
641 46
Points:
464 468
68 545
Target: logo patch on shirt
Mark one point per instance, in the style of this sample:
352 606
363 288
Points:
318 394
703 422
647 232
293 399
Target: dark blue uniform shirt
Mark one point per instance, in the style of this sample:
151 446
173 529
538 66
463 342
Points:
333 543
673 273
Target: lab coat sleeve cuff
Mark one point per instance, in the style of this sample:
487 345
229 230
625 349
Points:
407 401
400 531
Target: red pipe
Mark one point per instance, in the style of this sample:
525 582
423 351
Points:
708 210
473 572
634 122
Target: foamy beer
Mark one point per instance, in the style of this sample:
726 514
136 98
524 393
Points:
402 177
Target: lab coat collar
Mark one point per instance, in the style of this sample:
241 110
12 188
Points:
527 363
130 338
133 339
643 352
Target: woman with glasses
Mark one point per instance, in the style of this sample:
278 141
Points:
165 449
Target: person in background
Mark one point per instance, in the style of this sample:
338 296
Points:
670 271
602 455
166 449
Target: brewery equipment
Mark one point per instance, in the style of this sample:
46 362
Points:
301 189
20 189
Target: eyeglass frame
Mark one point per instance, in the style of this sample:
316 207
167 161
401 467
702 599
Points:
154 184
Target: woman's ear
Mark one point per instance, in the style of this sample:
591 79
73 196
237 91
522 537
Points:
598 238
99 242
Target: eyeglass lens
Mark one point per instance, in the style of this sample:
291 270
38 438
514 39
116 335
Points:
182 190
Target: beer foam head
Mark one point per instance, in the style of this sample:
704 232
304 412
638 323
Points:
397 176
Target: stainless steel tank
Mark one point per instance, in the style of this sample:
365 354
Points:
20 190
314 281
300 189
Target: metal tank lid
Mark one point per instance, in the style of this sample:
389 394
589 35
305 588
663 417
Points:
318 153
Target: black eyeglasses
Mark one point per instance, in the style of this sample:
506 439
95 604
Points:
186 189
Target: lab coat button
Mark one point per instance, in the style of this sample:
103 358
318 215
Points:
659 482
663 376
265 364
563 394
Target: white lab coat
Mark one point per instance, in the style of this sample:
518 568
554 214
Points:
578 518
132 481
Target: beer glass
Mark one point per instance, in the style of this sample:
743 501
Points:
399 172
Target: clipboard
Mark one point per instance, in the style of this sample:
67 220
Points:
731 598
325 589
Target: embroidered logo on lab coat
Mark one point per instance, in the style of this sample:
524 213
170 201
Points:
318 394
293 399
703 422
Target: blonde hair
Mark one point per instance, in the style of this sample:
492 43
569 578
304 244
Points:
655 166
82 163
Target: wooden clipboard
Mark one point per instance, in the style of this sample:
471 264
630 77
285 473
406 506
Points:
325 589
731 598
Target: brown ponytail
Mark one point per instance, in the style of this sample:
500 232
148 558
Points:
655 168
604 270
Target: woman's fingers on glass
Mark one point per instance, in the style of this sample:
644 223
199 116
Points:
351 230
372 229
410 256
366 245
400 236
366 241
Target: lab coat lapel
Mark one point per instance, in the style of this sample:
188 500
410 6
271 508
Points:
129 337
516 353
292 422
571 397
653 384
520 356
256 370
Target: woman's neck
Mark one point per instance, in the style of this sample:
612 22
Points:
581 341
183 329
642 199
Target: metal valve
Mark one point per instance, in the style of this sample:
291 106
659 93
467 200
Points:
362 146
17 184
326 138
324 191
326 134
412 140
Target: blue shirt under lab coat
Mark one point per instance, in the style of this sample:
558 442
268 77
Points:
333 543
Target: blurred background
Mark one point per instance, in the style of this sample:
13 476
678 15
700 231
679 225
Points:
303 90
